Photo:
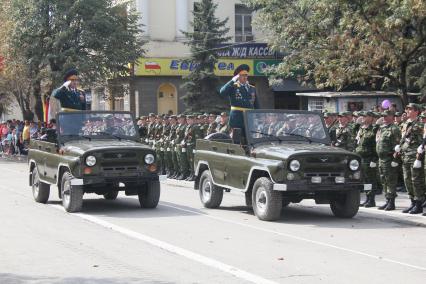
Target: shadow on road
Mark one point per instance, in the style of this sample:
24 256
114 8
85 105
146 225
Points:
18 279
125 207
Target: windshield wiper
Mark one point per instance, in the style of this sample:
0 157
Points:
266 134
299 135
107 133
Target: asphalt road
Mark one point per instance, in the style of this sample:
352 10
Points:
181 242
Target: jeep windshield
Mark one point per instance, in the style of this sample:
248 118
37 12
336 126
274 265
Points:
281 126
96 125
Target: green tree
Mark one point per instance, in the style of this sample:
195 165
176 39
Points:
342 43
208 32
98 37
15 81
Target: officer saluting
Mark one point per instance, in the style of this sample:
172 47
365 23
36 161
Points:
67 97
242 96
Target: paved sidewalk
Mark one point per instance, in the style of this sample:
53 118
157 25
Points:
401 203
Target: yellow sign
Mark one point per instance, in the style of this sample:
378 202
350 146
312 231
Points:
178 67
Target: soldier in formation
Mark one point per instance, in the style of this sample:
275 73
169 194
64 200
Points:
174 138
389 143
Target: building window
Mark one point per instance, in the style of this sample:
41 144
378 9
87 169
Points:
316 105
243 28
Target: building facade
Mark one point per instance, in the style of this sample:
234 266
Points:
156 84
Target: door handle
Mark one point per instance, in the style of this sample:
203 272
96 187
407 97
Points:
214 148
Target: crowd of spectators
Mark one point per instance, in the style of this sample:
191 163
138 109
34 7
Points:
15 135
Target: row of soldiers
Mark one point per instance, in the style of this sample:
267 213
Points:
173 138
388 143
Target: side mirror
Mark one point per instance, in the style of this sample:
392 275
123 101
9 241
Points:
236 135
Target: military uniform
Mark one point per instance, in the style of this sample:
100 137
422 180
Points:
366 148
180 149
344 137
412 137
241 98
191 134
171 153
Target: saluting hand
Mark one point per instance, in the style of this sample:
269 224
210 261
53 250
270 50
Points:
67 85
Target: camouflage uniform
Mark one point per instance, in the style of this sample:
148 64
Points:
412 137
388 136
344 138
366 148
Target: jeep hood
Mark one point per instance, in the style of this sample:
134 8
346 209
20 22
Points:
284 150
82 146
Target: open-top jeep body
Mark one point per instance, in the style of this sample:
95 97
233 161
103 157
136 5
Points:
283 158
93 152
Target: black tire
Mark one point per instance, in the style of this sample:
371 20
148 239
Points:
210 195
249 200
267 203
112 195
150 197
345 205
72 196
41 190
286 203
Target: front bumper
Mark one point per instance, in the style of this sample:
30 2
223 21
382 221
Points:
304 186
102 180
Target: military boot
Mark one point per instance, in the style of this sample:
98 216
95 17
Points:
191 177
384 205
366 201
391 204
371 201
406 210
417 209
181 177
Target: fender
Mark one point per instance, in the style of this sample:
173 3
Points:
230 187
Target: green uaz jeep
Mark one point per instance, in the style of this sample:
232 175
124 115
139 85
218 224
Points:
93 152
281 157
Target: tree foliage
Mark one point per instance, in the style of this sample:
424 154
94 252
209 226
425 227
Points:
378 44
15 82
98 37
208 32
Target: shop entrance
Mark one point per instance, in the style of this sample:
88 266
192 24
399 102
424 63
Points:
167 99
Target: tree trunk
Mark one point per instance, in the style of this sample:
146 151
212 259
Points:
403 83
38 108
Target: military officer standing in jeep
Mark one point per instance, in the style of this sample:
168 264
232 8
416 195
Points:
242 96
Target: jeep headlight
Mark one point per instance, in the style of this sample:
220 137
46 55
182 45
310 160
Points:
149 159
294 165
354 165
90 161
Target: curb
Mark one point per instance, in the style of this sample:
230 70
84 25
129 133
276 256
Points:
396 216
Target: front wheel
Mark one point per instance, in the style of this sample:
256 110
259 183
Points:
345 205
267 203
150 196
210 195
72 196
41 190
112 195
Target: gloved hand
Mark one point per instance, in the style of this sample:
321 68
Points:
420 149
394 164
67 85
235 78
397 148
373 165
417 164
